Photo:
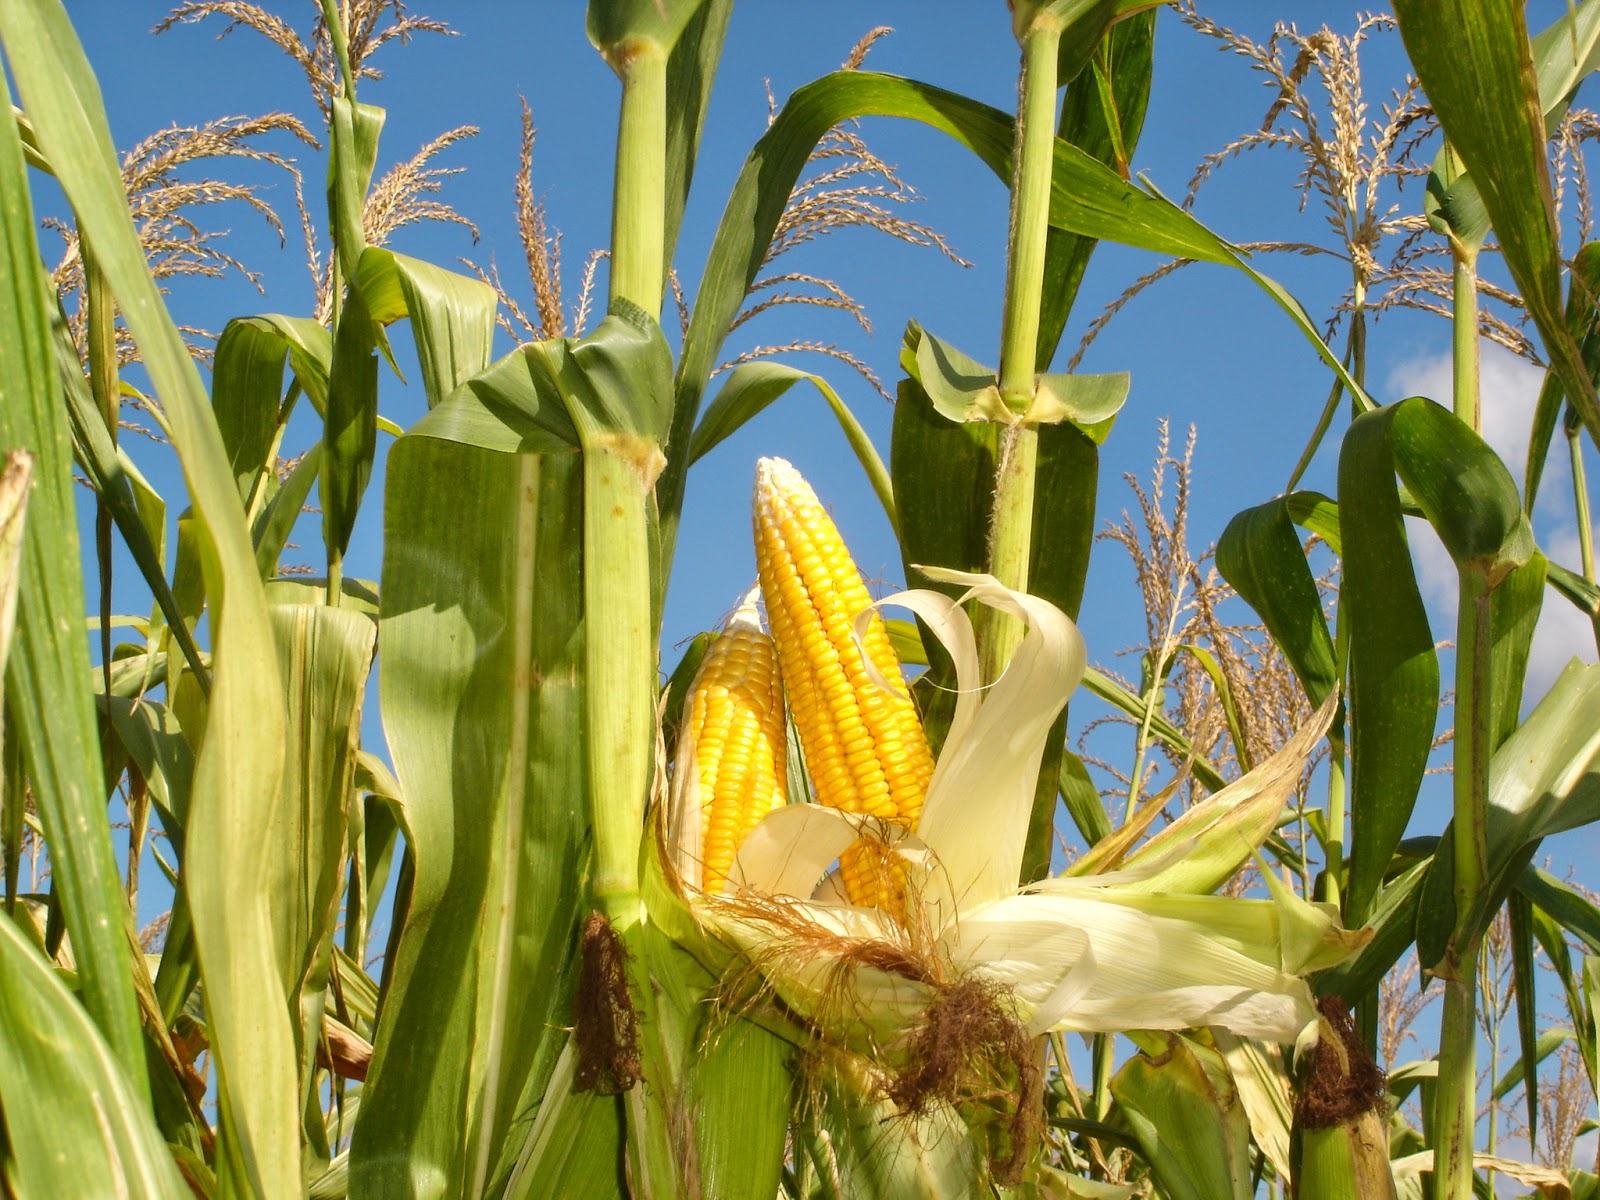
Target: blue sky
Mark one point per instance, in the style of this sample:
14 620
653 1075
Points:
1204 346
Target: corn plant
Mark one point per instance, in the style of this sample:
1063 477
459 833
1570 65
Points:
788 924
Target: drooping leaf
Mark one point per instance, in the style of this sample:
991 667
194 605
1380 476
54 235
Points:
451 314
512 406
355 128
752 386
48 664
350 428
1259 555
76 1127
1394 673
691 70
324 654
124 492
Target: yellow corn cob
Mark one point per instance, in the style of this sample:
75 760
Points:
864 746
733 746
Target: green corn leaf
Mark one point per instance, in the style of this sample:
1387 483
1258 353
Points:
752 386
1584 595
1574 911
943 474
135 509
873 1153
512 406
1475 62
1184 1110
48 663
1462 488
1585 1022
452 316
355 128
482 703
1393 921
350 429
1102 113
1066 475
1082 798
324 655
1090 403
575 1147
246 393
960 388
149 734
310 349
16 477
1513 617
1519 917
272 528
1582 289
76 1126
1564 55
741 1082
691 70
1259 555
233 841
1315 512
1394 672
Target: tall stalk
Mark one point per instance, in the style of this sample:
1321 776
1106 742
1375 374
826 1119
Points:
1580 505
638 218
1455 1102
1011 525
620 467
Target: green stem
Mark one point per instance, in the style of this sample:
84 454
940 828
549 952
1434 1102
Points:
619 728
100 313
1010 542
620 672
1464 333
337 38
1334 850
1011 523
1580 501
1333 875
1455 1099
1030 214
1580 506
638 218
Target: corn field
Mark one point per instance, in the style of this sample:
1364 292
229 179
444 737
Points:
471 882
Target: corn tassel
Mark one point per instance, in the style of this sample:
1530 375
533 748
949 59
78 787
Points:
732 761
864 746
